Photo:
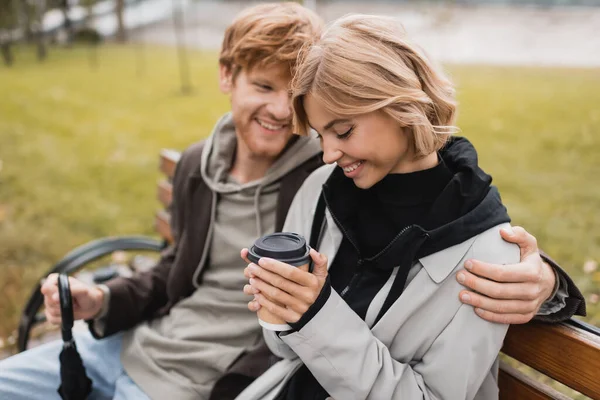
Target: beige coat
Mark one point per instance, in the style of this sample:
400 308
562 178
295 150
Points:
428 345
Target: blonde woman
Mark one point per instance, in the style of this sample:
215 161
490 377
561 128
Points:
399 209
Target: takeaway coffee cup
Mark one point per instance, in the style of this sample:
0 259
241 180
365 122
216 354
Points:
286 247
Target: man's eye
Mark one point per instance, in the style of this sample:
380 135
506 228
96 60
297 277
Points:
265 88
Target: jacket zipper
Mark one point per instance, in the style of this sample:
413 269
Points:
361 261
345 233
390 244
353 280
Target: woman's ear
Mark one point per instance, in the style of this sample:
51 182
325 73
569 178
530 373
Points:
225 78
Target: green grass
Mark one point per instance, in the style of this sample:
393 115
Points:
79 146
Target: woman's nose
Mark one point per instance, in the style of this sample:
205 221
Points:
331 153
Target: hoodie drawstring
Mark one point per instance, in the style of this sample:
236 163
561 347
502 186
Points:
257 207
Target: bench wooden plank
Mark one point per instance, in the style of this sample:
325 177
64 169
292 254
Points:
565 353
164 192
162 225
168 161
516 385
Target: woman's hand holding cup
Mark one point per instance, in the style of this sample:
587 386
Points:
284 290
279 278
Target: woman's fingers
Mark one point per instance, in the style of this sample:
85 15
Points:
290 273
319 263
253 306
244 255
285 314
303 293
250 291
284 290
278 296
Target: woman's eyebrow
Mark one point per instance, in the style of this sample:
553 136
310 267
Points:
335 121
262 81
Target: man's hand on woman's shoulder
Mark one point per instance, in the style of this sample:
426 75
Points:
509 294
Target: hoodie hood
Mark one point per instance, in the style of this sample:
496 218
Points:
217 159
469 204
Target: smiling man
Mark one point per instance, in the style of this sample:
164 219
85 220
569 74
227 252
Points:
182 330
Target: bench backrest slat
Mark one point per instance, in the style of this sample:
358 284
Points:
517 385
168 161
162 224
565 353
164 193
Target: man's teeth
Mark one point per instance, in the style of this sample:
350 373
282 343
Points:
269 126
352 167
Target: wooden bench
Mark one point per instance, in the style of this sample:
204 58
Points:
568 352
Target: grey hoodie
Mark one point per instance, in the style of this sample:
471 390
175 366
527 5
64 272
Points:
181 355
235 205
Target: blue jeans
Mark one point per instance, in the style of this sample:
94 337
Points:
34 374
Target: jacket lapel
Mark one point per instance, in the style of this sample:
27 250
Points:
332 240
439 265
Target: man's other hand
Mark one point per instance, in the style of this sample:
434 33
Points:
509 294
87 300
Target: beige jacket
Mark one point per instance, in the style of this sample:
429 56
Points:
428 345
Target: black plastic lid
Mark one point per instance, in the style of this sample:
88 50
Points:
286 247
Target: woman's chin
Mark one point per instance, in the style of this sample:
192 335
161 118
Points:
362 182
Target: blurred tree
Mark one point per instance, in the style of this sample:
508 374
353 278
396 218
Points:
8 22
89 16
25 10
67 24
35 19
92 40
140 53
119 11
179 26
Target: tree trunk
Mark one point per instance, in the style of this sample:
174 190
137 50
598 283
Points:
120 10
6 53
67 25
26 20
41 51
40 8
184 69
8 23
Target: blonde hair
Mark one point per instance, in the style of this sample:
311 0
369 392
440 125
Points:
364 63
269 34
